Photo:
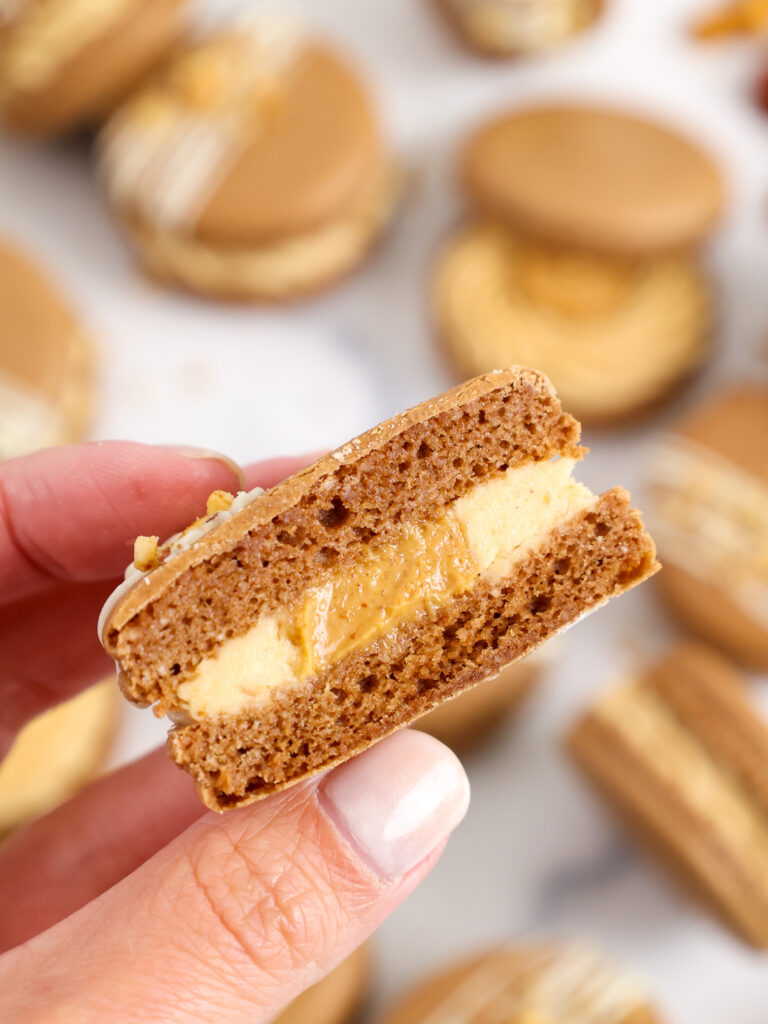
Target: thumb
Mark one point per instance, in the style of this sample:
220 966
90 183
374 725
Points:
242 912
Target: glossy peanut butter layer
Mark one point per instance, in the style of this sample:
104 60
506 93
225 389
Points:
480 535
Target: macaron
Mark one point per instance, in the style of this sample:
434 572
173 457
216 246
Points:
253 167
546 983
65 63
679 752
337 998
581 255
287 631
57 753
500 28
708 501
46 360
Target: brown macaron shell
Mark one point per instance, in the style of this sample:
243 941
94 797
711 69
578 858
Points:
462 723
320 150
592 177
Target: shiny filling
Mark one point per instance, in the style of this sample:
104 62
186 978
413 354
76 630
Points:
483 534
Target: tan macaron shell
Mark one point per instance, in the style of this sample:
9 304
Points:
87 85
320 150
41 344
592 177
734 425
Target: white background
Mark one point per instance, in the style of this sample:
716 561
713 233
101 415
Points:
536 852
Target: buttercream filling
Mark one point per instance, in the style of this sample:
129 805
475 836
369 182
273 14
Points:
28 419
610 340
566 985
42 37
522 24
278 268
705 785
482 534
710 518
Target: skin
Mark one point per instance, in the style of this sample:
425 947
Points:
117 907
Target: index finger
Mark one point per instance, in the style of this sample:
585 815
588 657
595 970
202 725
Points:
71 514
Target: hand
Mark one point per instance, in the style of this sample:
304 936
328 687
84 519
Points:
131 903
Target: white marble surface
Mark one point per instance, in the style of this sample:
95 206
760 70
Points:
536 853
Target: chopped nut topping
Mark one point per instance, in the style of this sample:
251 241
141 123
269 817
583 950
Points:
145 553
218 501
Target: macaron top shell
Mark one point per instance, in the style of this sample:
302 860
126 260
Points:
592 177
296 135
320 148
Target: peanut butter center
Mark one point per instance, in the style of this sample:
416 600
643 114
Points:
386 587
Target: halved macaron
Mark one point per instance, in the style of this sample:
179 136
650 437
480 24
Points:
296 627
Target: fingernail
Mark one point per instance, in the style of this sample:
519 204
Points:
398 801
190 452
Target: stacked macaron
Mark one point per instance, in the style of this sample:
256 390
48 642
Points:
251 167
580 256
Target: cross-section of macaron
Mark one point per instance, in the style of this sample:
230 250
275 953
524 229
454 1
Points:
414 562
